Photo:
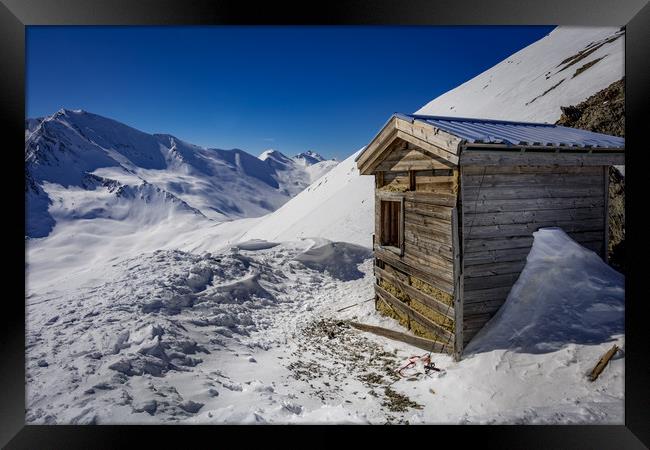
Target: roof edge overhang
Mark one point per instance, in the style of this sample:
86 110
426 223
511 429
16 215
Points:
436 143
453 150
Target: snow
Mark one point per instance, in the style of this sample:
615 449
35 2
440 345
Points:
222 185
339 259
514 89
338 206
565 294
168 283
254 335
297 173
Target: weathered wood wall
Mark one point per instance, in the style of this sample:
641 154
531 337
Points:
418 287
501 207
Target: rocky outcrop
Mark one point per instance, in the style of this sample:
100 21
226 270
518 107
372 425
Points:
604 112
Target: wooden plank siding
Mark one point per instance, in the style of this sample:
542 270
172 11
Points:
439 147
544 158
429 197
502 206
431 302
413 314
467 216
408 158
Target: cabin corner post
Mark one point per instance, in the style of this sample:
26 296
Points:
606 202
458 282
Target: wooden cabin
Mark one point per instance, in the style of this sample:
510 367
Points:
456 203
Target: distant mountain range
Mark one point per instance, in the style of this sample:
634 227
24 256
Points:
90 164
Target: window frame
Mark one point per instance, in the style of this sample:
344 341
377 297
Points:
400 232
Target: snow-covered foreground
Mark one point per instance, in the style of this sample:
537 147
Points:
251 334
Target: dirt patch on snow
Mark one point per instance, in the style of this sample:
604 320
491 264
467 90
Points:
344 353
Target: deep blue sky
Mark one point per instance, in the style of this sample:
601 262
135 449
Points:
329 89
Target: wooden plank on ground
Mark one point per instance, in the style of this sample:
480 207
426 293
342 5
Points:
598 368
416 341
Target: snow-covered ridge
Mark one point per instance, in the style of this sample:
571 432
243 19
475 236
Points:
297 172
308 158
221 184
561 69
337 206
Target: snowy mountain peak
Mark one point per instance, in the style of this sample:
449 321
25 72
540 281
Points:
64 149
274 155
308 158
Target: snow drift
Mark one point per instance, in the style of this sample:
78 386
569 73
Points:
565 294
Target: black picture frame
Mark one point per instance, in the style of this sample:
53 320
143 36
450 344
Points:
16 14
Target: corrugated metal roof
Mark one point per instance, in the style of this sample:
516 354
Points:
485 131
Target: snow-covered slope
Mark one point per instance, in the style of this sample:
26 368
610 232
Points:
296 173
338 206
561 69
69 146
255 334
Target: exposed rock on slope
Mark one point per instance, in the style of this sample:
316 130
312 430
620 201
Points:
604 112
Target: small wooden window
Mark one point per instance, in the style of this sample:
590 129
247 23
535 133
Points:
392 225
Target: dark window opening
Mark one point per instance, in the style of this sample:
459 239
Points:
391 224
